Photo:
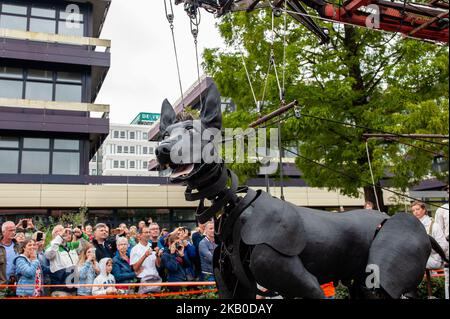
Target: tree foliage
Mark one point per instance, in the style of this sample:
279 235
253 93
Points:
376 81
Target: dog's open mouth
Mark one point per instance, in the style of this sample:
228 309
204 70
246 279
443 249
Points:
182 170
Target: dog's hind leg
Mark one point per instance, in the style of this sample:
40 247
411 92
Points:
283 274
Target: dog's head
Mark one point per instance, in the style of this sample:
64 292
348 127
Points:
186 145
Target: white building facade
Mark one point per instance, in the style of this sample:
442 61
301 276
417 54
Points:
125 152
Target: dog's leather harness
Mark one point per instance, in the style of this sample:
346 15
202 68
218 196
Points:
226 198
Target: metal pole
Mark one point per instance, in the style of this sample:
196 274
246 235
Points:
281 161
281 110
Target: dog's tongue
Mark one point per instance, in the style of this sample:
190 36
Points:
182 170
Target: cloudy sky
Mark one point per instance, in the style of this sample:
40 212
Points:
143 69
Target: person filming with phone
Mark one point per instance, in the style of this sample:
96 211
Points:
63 257
39 239
145 261
176 261
26 226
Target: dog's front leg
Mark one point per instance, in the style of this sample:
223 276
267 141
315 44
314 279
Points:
283 274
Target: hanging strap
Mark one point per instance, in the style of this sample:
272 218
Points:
228 194
209 191
229 220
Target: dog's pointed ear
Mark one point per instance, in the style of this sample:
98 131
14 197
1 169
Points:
168 116
211 114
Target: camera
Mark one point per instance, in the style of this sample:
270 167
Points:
24 223
178 247
39 236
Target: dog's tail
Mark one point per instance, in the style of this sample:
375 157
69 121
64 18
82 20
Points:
437 248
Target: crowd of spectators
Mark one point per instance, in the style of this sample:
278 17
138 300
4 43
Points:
101 258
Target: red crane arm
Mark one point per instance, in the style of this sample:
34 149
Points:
419 22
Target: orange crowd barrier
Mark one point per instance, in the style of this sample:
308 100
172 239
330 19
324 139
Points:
119 286
436 273
119 296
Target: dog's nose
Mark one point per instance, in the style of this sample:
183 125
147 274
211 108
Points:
162 153
162 150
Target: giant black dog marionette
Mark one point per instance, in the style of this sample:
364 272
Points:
287 249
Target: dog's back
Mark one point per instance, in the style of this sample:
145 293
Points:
331 245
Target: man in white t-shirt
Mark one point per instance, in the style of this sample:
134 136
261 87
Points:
144 261
441 218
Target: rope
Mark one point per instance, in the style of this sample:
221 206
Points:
195 23
272 60
284 49
170 17
249 81
272 56
371 174
246 72
265 86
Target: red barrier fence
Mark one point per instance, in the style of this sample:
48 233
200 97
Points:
433 273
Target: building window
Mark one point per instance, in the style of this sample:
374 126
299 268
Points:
66 163
68 87
122 164
36 143
66 157
9 155
132 149
144 136
150 150
11 82
9 142
13 17
125 149
94 159
44 85
132 135
116 134
132 164
144 150
72 145
116 164
43 20
122 134
119 149
39 19
94 171
35 162
144 164
29 155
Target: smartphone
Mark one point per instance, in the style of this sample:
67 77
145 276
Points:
24 223
39 236
154 245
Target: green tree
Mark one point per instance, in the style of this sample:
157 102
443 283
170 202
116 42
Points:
362 77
